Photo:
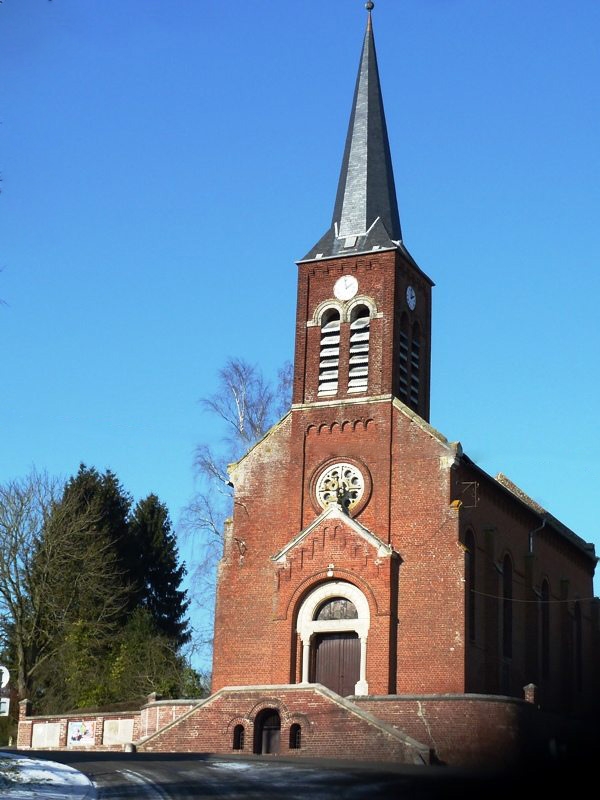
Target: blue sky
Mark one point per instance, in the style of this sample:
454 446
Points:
166 163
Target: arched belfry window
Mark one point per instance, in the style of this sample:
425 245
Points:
578 647
403 360
329 356
415 365
358 372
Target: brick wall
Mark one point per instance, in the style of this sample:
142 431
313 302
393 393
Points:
109 731
464 730
383 279
422 499
330 727
416 640
484 731
502 528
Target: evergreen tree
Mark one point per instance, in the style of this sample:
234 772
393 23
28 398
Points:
119 594
89 591
164 671
159 574
111 505
56 568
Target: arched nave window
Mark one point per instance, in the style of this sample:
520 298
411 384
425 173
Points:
470 583
545 629
507 607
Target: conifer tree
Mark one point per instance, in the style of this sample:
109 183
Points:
158 573
116 591
89 589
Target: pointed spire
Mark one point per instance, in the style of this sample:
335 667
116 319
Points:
365 214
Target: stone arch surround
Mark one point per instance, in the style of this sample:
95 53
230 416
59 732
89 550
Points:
308 626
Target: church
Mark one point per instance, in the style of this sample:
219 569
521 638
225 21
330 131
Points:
396 573
380 597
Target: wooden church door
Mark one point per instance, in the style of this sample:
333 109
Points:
337 661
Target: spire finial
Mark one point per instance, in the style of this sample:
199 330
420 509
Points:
369 6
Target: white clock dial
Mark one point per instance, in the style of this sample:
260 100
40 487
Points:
411 298
345 287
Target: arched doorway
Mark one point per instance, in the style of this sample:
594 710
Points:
333 623
267 732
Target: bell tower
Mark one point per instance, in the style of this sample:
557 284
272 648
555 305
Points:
363 327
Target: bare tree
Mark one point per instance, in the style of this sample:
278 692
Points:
245 405
24 508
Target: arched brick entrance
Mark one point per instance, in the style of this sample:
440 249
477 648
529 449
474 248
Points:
267 732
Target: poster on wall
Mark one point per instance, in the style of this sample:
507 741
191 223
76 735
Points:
81 733
45 734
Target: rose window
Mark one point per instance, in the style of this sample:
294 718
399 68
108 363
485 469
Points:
342 484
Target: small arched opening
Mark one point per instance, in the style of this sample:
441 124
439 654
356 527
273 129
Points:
295 736
238 737
267 732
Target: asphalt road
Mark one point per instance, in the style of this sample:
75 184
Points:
185 776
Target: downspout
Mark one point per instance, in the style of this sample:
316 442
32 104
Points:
531 533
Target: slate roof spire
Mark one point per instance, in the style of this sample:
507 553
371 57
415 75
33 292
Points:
365 215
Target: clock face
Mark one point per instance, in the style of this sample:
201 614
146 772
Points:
345 287
411 298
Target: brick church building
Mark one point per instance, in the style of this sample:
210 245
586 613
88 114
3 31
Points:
380 596
366 552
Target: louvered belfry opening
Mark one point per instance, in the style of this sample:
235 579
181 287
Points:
358 372
329 360
403 361
415 365
409 363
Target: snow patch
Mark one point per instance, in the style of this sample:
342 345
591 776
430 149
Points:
22 777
